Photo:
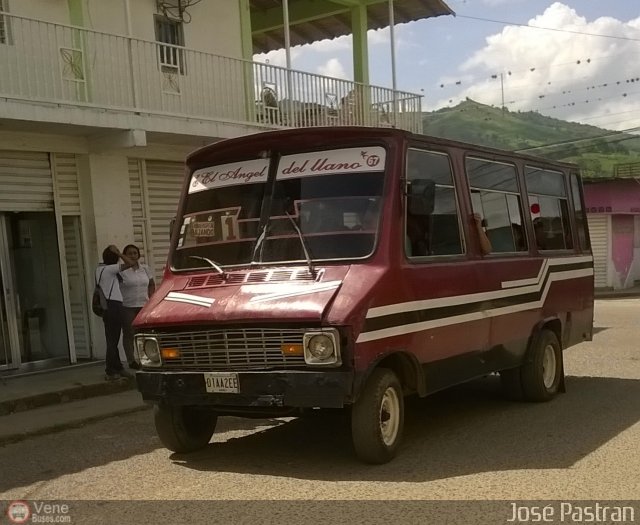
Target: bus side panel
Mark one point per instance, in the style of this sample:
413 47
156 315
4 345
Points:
423 309
464 319
539 289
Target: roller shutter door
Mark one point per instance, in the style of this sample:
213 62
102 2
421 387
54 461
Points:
163 184
138 208
599 234
66 179
68 209
26 183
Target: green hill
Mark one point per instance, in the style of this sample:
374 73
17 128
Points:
597 151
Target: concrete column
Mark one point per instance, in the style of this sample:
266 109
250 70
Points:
111 200
106 204
359 26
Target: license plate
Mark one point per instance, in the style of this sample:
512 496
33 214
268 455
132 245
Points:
216 382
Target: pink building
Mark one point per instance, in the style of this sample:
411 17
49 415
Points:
613 213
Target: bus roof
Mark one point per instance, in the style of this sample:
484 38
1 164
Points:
297 138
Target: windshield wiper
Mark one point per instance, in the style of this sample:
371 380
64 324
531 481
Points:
213 264
312 270
259 241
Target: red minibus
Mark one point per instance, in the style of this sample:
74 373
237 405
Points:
347 268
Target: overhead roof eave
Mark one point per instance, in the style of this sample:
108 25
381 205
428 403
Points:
313 20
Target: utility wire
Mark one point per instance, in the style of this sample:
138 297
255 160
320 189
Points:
572 89
548 28
512 72
558 106
625 136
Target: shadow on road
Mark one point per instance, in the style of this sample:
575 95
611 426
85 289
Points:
466 430
46 457
120 438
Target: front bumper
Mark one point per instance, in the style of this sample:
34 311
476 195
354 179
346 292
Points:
258 390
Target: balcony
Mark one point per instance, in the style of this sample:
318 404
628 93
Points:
60 65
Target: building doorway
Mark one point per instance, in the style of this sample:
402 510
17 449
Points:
33 326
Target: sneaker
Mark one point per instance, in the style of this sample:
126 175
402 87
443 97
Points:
134 365
112 377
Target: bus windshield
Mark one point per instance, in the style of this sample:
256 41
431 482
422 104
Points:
326 203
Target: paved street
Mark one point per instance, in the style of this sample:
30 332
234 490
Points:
464 444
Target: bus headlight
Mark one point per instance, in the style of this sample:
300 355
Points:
148 350
322 348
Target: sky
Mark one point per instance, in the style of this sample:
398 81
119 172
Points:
581 61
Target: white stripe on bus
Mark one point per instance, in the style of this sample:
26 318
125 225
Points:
380 311
474 316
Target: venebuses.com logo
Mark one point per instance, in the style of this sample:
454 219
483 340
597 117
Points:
18 512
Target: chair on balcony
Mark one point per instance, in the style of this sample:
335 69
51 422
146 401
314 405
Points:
331 103
268 107
382 114
351 110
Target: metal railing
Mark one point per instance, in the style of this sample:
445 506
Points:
630 170
47 62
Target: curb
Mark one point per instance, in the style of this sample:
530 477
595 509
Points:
66 395
50 429
617 295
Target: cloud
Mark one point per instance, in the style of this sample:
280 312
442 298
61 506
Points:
567 74
379 36
278 57
494 3
333 68
331 46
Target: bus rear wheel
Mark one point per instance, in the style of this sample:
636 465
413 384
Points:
184 429
540 376
377 418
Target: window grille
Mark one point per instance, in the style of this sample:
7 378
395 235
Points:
4 23
170 32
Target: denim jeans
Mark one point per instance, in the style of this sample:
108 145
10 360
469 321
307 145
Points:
112 319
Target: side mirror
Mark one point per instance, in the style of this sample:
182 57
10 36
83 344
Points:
171 226
421 196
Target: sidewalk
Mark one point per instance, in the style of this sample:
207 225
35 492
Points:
610 293
47 401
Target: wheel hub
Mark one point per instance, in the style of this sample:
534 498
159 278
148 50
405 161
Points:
389 416
549 366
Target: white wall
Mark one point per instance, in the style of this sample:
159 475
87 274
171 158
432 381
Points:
50 10
215 29
214 26
111 201
108 16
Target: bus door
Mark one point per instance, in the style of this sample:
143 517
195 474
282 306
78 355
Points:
441 282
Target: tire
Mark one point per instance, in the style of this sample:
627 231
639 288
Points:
184 428
539 378
377 418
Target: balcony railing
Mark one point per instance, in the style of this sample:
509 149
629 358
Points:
47 62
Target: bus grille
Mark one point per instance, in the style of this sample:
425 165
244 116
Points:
233 349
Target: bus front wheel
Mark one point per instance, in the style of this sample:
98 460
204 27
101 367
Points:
184 429
540 376
377 418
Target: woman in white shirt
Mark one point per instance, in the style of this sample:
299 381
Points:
136 287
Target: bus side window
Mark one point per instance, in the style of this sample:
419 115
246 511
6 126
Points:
549 208
495 196
581 220
437 232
